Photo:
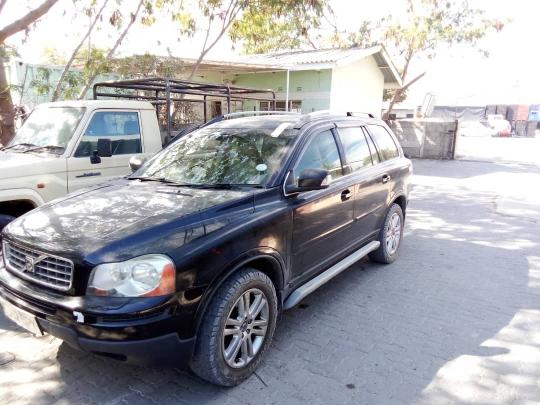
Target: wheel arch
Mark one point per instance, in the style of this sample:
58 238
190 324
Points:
400 200
267 261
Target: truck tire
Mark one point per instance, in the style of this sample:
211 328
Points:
390 236
237 329
4 220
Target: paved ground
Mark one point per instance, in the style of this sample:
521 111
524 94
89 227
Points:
455 320
524 150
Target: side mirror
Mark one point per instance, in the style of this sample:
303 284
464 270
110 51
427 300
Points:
309 180
104 147
136 162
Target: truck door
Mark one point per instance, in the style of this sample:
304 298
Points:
123 129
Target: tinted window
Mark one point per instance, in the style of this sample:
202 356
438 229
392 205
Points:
384 141
121 127
372 148
356 147
321 153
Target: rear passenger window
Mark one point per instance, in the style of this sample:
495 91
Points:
321 153
386 145
356 147
121 127
372 148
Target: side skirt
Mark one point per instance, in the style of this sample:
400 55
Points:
301 292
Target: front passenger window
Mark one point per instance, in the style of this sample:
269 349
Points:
121 127
321 153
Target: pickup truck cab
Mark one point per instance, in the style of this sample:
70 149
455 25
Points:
68 145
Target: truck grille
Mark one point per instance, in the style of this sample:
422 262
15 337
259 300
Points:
41 268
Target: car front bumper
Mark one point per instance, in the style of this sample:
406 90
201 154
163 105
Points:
136 331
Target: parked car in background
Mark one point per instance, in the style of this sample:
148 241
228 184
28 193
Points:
500 126
66 146
192 258
475 129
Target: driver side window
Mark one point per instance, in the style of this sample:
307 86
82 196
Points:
321 153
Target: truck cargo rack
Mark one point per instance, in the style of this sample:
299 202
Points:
160 90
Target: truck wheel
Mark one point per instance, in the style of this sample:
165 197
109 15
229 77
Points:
390 236
4 220
237 329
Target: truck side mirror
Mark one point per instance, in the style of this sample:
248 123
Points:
104 147
136 162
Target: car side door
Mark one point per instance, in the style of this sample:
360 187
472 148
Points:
322 219
369 193
387 171
123 129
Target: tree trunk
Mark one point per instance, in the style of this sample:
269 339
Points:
7 112
56 93
92 77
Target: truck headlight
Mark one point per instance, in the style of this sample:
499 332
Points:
144 276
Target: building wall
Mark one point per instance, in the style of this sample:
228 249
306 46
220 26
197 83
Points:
358 87
311 87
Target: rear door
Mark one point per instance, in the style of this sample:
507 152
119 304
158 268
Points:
369 195
123 128
322 219
386 171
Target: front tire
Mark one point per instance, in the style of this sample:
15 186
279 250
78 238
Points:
237 329
390 236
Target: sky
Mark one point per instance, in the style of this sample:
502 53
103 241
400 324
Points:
458 76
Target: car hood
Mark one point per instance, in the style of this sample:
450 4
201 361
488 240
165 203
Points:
126 218
16 164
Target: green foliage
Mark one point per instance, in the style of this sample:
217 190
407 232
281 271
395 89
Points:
277 24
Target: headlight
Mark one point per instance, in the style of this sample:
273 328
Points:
144 276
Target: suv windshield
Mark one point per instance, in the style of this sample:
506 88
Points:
213 156
50 128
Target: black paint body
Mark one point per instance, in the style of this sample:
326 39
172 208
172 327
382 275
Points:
208 233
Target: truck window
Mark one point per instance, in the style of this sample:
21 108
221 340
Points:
356 147
121 127
386 145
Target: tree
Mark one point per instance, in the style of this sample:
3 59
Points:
7 113
427 27
69 63
132 18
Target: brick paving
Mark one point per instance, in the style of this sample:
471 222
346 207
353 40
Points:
456 319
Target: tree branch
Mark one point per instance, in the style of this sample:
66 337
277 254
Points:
2 4
56 92
23 22
111 52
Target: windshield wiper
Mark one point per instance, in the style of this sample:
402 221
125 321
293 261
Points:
226 186
157 179
28 145
46 147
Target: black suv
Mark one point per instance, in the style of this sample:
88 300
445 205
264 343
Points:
192 258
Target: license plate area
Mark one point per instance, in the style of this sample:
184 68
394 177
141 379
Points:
22 318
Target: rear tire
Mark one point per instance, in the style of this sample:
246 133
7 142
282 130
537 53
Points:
390 236
232 340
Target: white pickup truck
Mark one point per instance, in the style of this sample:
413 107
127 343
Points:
64 146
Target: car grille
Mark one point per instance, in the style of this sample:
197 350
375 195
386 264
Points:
41 268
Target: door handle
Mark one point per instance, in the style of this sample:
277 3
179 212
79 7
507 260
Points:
346 195
386 178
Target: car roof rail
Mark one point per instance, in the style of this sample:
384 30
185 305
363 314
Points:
359 114
248 113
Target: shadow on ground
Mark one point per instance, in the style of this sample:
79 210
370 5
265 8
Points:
374 335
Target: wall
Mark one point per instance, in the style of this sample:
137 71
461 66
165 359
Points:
358 87
429 139
312 87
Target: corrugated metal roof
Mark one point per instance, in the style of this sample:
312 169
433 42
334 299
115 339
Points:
295 58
